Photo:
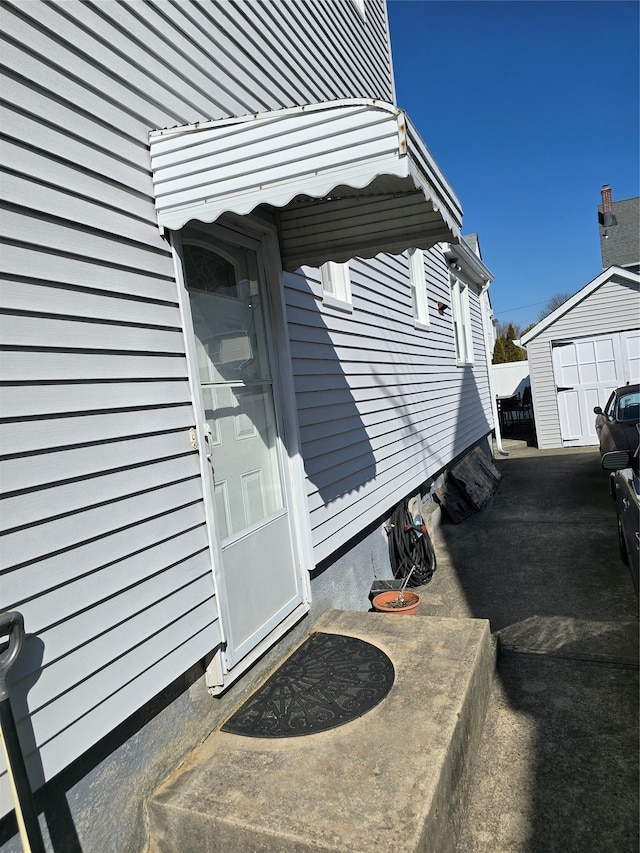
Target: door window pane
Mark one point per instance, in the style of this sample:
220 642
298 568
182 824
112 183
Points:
228 317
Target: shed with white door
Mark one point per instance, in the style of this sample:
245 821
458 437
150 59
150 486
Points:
579 353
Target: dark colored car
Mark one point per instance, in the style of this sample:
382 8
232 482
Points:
617 425
626 490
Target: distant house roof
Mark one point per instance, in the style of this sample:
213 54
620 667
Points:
597 282
473 243
620 244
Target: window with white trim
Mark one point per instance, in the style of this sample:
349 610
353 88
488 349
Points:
336 285
418 281
461 316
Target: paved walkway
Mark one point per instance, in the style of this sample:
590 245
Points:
558 762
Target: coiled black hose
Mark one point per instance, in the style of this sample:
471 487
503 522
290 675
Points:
410 547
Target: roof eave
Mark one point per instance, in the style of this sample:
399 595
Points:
594 284
471 265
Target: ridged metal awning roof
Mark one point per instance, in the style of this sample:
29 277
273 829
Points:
351 179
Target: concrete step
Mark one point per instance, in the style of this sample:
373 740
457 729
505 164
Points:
395 779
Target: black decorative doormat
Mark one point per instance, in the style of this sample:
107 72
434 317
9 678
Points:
330 680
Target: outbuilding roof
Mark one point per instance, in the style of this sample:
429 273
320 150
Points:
578 297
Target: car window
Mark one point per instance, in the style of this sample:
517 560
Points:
608 409
628 408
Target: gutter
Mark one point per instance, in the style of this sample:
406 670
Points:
494 403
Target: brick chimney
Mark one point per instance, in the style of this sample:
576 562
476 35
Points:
607 204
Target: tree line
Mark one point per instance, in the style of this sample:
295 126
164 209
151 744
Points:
505 350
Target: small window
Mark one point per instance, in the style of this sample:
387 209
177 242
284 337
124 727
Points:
418 288
461 316
336 285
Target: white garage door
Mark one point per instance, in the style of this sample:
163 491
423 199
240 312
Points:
586 371
631 351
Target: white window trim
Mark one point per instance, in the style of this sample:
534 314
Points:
336 286
418 280
461 317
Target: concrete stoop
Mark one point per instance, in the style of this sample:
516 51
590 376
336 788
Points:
395 779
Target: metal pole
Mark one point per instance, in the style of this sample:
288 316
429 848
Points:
12 624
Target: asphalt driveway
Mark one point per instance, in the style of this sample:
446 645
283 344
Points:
558 765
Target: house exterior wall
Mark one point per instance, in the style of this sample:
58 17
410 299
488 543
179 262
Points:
379 414
612 307
105 548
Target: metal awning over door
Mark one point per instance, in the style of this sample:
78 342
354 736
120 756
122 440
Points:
351 179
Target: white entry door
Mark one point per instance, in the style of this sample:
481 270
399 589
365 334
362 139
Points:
586 371
259 581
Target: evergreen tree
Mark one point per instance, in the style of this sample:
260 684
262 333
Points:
504 350
499 354
513 352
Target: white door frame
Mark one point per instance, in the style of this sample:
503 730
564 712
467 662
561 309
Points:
261 236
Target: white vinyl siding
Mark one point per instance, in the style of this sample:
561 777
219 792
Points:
104 541
105 548
381 406
612 307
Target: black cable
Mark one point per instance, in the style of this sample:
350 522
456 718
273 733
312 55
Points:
410 547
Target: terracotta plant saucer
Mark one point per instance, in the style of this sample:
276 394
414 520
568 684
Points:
387 602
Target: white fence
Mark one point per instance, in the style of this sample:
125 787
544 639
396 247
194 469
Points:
511 378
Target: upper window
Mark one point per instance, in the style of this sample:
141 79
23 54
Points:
461 316
418 288
359 4
336 285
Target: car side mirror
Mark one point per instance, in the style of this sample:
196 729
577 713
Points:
616 460
597 410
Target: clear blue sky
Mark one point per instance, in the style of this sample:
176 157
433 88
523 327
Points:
528 108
